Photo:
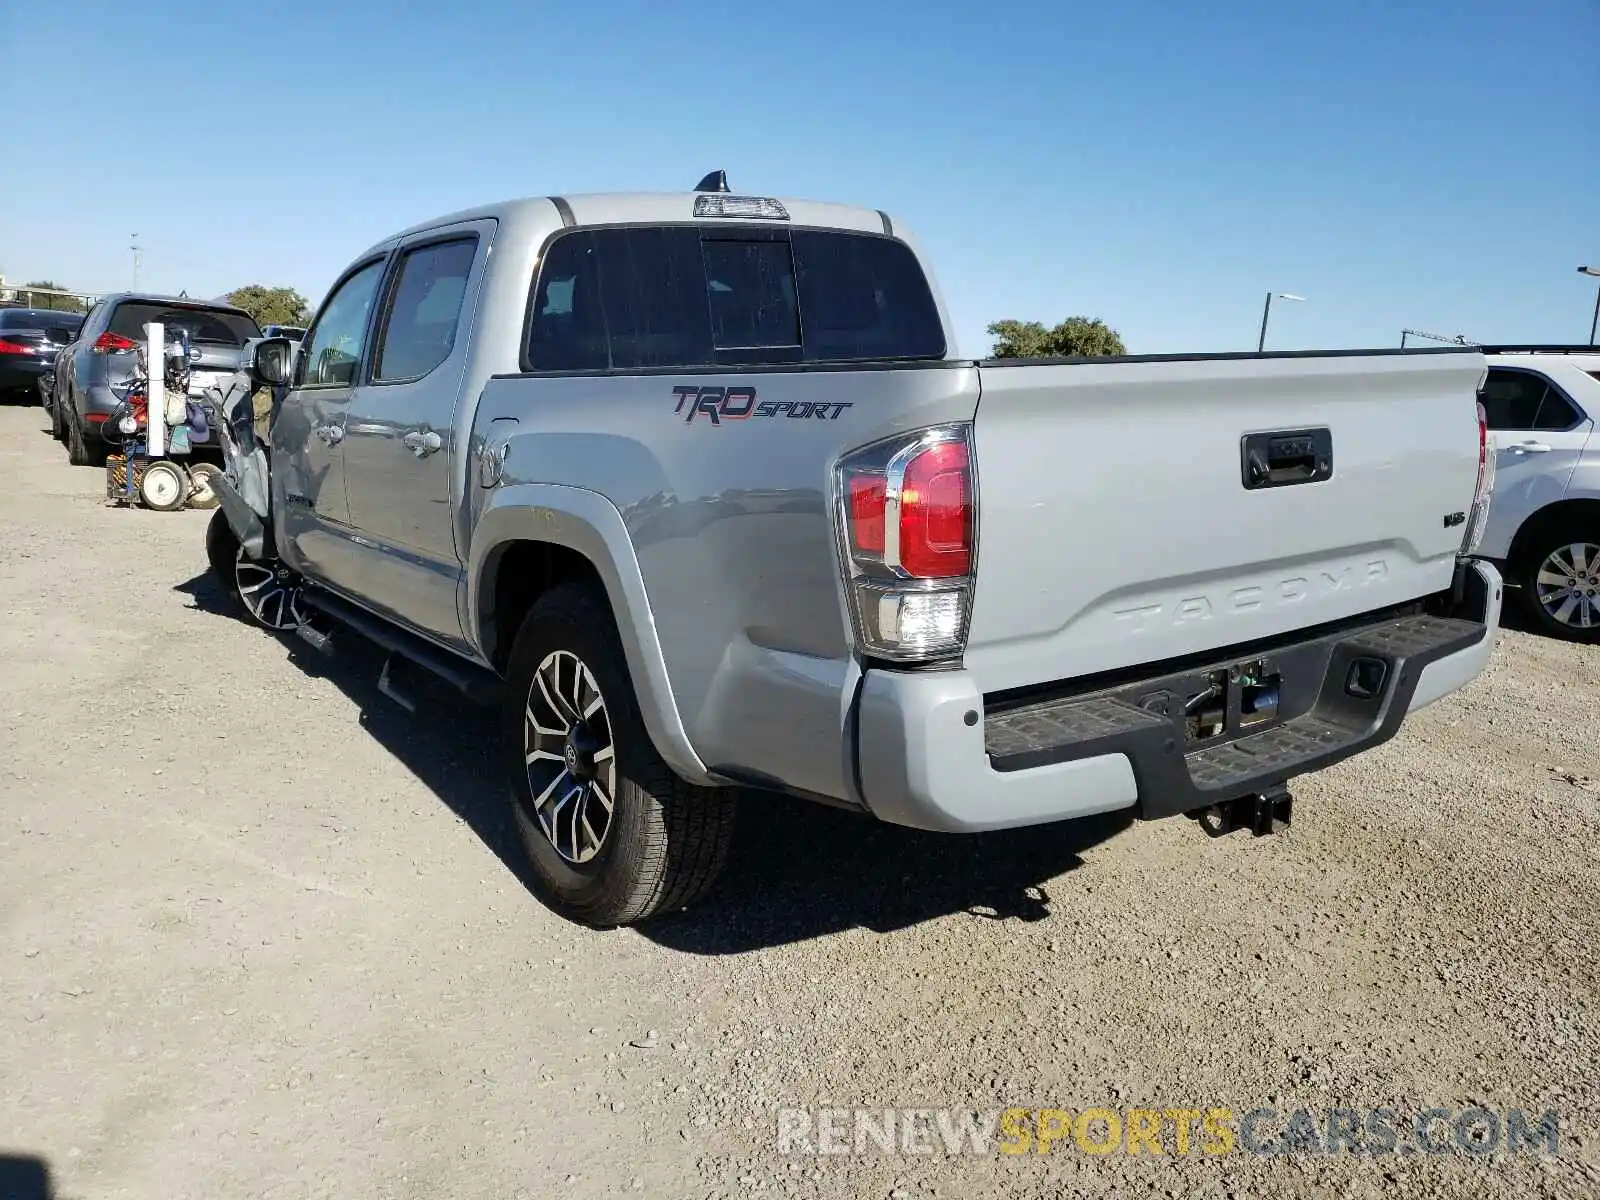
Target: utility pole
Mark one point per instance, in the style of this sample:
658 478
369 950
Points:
135 249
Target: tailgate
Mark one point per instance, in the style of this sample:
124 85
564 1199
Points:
1115 526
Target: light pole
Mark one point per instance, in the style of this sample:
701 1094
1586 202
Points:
1266 311
135 249
1595 322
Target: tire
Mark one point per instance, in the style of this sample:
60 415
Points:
1559 583
81 451
57 430
202 494
164 487
222 552
664 841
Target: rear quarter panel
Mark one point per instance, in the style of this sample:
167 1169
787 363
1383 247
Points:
731 527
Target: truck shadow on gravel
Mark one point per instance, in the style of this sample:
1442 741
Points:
24 1177
796 870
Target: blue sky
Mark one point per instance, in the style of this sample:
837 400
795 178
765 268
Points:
1161 165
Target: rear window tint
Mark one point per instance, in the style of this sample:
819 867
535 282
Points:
864 298
674 296
653 298
203 324
751 294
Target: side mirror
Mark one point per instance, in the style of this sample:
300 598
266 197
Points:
272 361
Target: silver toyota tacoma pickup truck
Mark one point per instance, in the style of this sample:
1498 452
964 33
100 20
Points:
698 490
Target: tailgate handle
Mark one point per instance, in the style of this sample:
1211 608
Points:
1285 457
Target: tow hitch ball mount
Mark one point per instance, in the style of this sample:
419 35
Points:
1261 813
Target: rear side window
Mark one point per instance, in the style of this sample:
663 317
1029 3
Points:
568 330
1522 400
680 296
1555 412
203 324
419 328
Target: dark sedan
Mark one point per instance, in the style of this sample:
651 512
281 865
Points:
29 341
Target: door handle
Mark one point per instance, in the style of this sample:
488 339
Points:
331 434
422 442
1531 448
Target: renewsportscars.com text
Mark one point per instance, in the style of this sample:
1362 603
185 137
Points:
1212 1131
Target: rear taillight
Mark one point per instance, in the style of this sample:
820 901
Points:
907 521
1478 518
113 343
14 348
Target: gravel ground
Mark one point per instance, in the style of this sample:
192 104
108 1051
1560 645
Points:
269 937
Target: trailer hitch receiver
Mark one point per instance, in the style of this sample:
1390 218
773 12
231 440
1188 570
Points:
1261 813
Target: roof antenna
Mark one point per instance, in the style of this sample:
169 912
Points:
717 181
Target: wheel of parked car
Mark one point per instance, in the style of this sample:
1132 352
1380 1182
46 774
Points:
615 836
58 430
202 494
164 487
1559 577
81 452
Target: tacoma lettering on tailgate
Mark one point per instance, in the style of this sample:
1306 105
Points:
1182 610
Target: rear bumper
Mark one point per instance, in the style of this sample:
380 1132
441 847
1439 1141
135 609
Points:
934 756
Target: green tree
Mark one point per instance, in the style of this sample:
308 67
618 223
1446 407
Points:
1076 337
60 303
271 306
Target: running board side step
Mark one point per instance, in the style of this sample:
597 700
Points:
474 682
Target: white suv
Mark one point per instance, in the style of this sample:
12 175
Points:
1544 520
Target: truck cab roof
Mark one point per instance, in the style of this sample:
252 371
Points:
631 208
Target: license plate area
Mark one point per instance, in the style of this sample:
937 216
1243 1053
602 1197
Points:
199 381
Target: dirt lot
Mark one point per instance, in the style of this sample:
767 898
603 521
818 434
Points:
264 935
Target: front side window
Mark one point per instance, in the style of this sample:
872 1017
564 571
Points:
419 328
333 352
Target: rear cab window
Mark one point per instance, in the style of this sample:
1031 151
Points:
216 326
668 296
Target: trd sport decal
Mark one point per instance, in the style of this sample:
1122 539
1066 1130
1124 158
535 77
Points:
740 403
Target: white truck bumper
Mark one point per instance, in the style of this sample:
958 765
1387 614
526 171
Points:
935 754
